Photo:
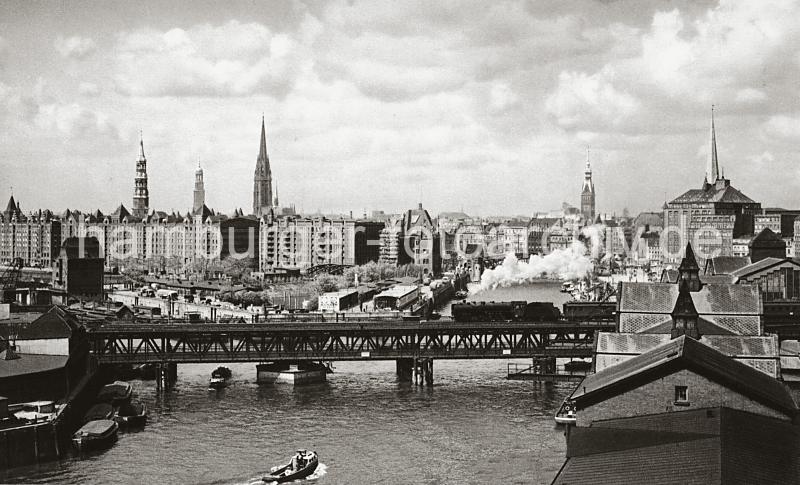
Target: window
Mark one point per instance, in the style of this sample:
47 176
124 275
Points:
681 395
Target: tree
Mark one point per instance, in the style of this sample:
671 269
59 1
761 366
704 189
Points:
236 268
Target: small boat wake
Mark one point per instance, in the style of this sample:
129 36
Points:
320 472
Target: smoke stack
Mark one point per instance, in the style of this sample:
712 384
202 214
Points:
420 206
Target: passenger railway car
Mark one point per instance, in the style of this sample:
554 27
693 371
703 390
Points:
505 311
594 311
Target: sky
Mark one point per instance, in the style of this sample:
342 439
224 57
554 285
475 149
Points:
489 107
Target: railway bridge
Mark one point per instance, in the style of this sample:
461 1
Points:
408 343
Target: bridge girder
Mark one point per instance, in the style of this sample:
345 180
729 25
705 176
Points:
261 343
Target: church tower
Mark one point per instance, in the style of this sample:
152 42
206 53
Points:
587 194
262 183
199 189
141 197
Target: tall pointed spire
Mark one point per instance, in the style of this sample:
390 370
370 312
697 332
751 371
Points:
715 175
262 183
262 154
141 147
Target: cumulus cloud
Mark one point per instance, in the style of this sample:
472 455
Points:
750 95
89 89
233 59
783 126
583 100
75 47
75 121
723 51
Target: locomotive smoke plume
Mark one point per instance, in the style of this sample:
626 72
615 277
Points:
567 263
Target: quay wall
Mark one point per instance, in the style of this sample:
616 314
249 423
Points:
28 445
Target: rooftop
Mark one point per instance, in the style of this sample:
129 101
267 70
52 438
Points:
684 353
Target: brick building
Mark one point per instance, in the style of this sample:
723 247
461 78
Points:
694 210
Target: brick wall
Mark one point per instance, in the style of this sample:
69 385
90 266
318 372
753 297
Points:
658 397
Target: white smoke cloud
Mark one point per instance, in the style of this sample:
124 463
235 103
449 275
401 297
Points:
567 263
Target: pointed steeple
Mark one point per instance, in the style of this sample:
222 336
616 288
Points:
689 271
715 175
141 147
262 182
684 315
262 154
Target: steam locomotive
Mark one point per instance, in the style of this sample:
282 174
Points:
505 311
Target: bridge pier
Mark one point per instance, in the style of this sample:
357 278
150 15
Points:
423 371
405 369
166 375
295 373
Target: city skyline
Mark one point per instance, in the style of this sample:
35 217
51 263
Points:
488 107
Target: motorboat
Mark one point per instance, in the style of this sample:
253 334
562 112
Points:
219 378
35 410
566 413
102 410
116 393
301 465
95 435
132 414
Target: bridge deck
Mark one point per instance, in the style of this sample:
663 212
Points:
139 343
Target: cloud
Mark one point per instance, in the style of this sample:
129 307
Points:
750 95
75 121
589 101
89 89
723 52
783 126
75 47
502 97
233 59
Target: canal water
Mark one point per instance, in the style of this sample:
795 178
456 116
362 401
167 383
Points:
472 427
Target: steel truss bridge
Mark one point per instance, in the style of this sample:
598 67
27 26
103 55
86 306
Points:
361 340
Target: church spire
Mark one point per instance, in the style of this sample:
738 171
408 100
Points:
141 147
262 154
715 175
262 183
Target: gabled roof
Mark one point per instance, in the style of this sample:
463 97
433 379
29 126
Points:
762 265
767 238
684 353
203 211
55 323
759 352
723 308
725 265
712 299
120 213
